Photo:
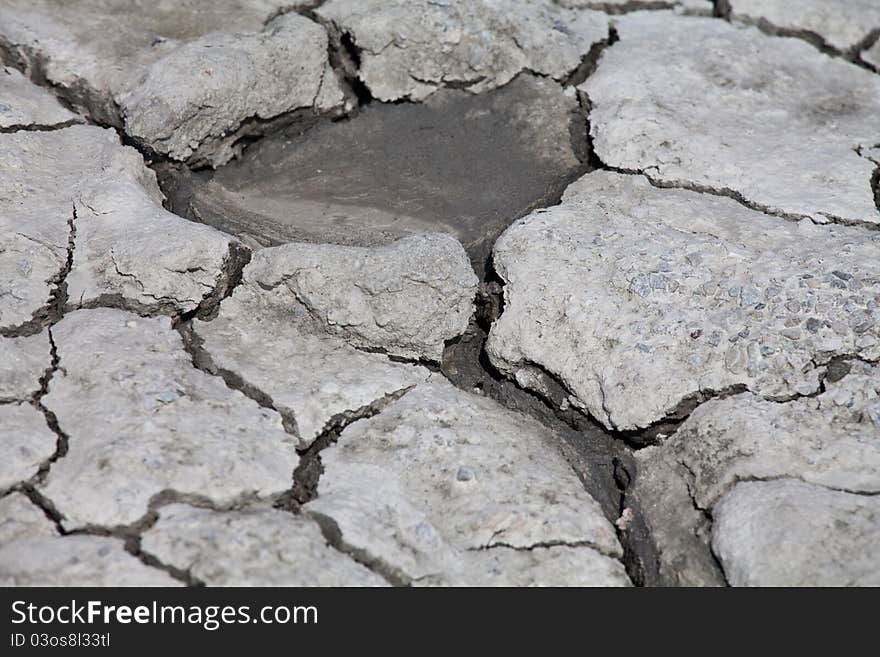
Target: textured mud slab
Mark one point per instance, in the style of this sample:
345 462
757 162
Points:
639 299
24 106
408 49
251 548
701 103
465 493
162 426
311 327
828 441
75 561
81 223
827 538
25 360
458 163
32 553
872 55
681 532
187 80
21 519
25 443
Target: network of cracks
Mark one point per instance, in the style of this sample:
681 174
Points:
448 308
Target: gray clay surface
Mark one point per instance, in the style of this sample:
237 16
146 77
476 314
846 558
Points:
439 293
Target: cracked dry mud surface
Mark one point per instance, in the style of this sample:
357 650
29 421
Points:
439 293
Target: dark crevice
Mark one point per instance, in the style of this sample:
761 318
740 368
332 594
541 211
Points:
870 153
814 39
794 477
460 85
346 52
431 365
542 545
344 56
851 55
875 183
62 439
868 65
654 433
333 536
131 535
229 278
554 396
52 312
202 360
865 44
79 97
835 369
721 9
590 61
305 487
489 301
166 307
44 504
38 127
742 200
171 496
598 456
586 106
640 555
310 468
628 7
707 518
133 547
467 364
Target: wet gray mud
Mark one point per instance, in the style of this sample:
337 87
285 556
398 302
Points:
459 163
